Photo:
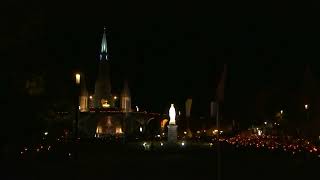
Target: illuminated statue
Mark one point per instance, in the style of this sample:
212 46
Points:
172 115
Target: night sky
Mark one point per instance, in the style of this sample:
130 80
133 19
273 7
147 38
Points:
168 52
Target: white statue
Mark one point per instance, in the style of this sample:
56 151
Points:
172 115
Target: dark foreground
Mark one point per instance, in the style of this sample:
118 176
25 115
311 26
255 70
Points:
103 161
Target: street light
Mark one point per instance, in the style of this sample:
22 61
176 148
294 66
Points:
77 104
281 115
306 107
77 78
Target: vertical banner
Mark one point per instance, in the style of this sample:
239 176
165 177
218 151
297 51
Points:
213 109
188 107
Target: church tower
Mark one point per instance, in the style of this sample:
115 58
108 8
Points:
125 103
102 92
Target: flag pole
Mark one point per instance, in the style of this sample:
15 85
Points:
218 146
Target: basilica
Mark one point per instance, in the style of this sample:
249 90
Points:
102 97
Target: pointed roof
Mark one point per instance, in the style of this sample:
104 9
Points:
104 50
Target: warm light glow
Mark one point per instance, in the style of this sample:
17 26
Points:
306 106
163 123
77 78
137 108
161 144
140 129
172 115
105 103
115 97
281 112
45 133
118 130
99 130
265 122
90 97
185 132
259 132
182 144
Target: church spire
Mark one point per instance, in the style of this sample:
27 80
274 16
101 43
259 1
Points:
104 52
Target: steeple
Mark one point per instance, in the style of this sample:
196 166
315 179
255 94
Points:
102 92
104 51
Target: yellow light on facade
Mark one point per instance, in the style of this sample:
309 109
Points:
77 78
118 130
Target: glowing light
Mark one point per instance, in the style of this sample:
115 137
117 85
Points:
118 130
140 129
137 108
45 133
281 112
115 97
185 132
172 115
105 103
182 143
259 132
265 122
90 97
161 144
198 132
77 78
306 106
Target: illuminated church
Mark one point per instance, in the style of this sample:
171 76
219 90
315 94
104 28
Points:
102 97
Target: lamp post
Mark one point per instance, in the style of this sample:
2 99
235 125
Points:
306 107
77 105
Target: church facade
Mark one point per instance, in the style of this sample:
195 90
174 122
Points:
102 97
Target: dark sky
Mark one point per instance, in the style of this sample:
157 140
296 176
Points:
167 51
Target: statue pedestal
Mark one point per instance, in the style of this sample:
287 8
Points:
172 133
